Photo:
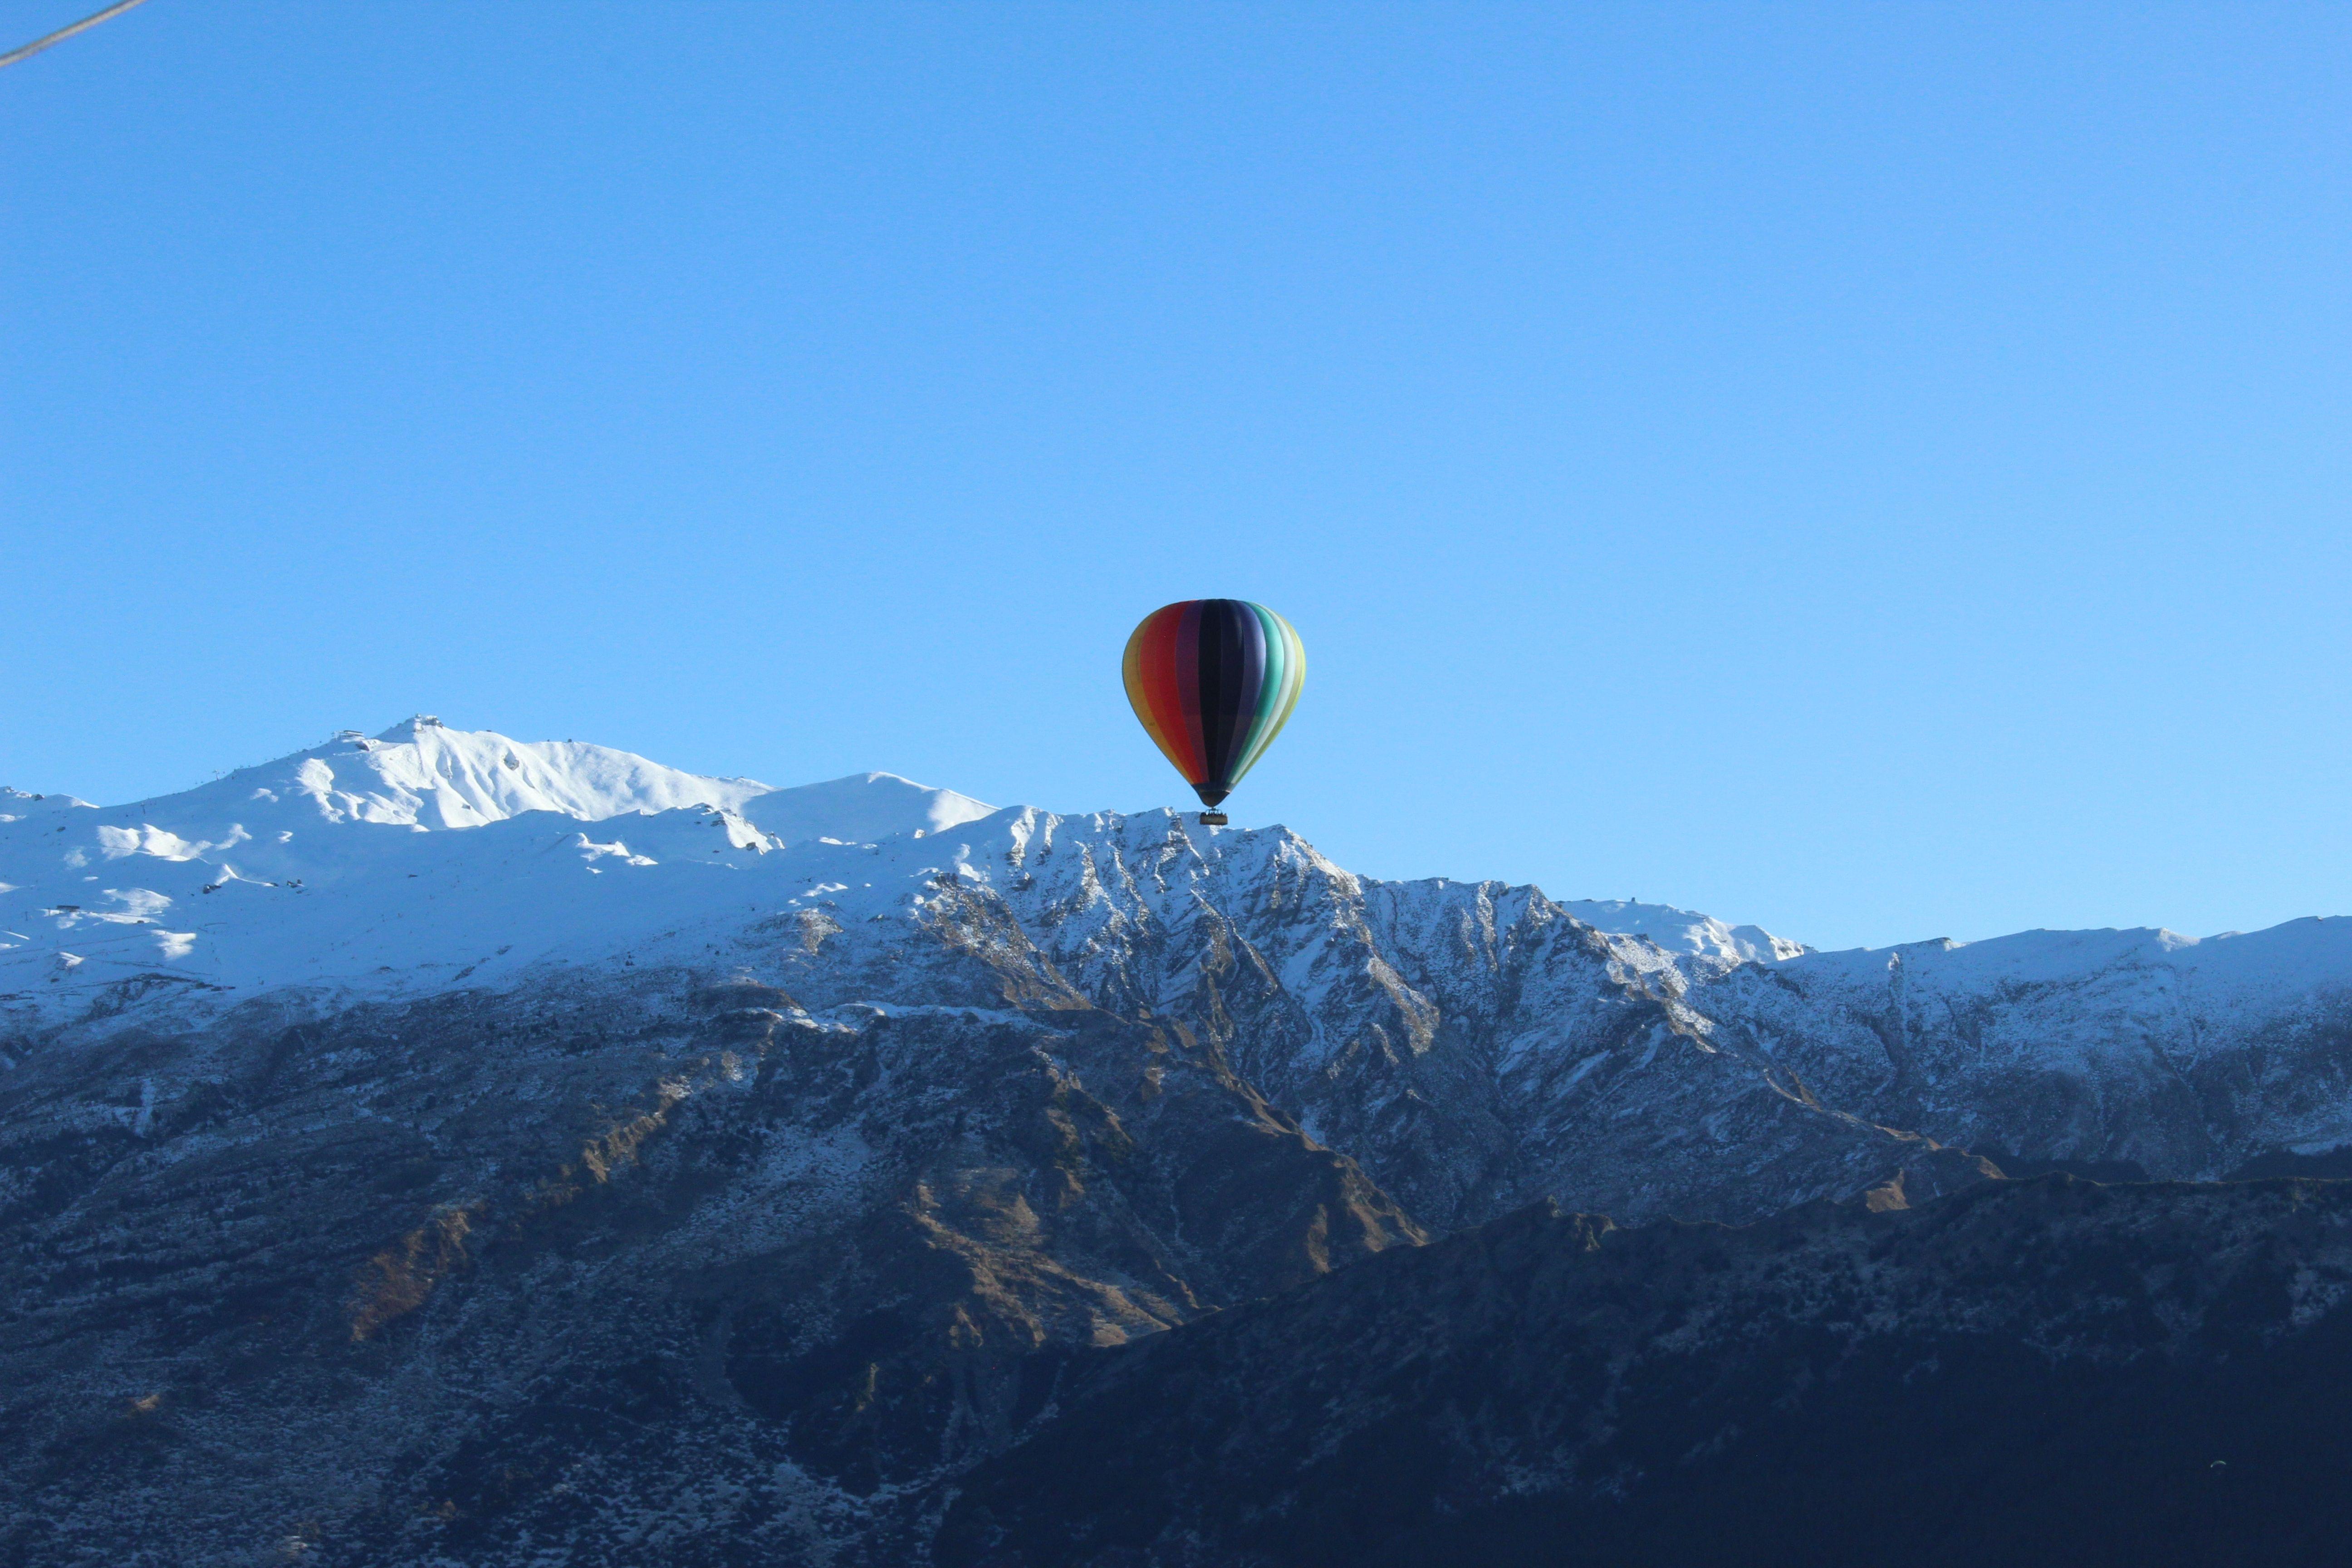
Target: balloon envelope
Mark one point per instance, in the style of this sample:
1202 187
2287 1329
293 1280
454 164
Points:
1214 681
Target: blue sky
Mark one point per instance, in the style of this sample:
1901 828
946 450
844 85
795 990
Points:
1876 471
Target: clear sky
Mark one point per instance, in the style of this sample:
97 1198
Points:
1876 471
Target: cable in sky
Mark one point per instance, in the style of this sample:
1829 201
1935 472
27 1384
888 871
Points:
62 34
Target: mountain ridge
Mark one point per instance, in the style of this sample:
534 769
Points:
1463 1039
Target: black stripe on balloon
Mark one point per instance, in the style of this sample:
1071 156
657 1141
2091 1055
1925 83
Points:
1219 676
1230 673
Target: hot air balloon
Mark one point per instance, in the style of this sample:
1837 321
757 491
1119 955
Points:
1214 681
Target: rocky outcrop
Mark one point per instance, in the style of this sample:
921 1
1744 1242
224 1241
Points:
1473 1046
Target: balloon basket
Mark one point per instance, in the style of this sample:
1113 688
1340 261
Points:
1213 819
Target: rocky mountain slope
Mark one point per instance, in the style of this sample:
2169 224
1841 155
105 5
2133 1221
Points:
433 1147
2045 1372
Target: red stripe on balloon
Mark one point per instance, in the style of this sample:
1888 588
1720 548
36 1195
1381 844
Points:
1165 688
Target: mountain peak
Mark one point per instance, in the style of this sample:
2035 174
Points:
862 808
407 729
1685 930
16 805
422 773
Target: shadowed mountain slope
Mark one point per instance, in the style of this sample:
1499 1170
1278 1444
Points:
2043 1372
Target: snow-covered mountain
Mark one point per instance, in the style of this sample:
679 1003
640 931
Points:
1475 1045
452 1128
399 862
299 872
